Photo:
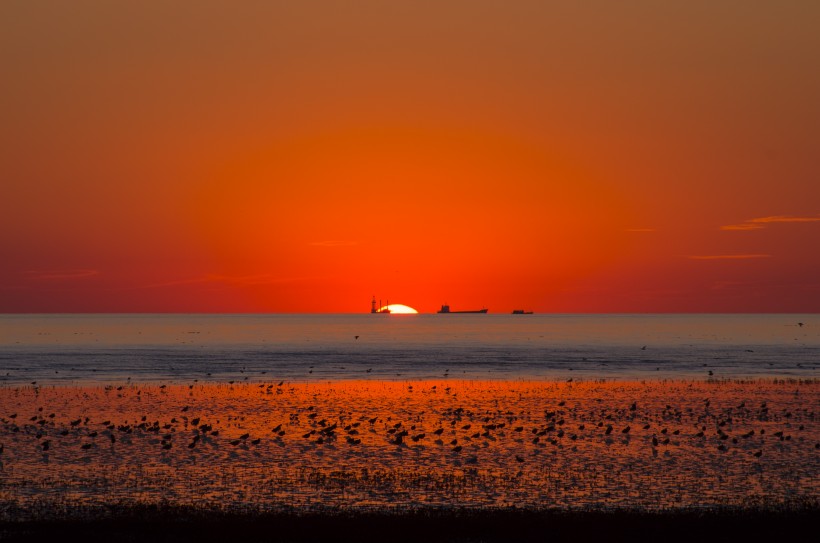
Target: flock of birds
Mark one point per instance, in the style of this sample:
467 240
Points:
451 431
508 436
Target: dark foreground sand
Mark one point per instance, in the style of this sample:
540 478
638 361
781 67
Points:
444 455
172 525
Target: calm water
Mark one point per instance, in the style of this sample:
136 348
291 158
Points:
80 349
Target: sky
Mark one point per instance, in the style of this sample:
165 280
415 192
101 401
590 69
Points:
263 156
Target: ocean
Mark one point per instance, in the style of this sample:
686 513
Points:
87 349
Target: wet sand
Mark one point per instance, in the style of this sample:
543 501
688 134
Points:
373 446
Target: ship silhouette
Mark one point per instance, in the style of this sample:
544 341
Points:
379 308
445 309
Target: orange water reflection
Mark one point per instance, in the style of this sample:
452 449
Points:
375 444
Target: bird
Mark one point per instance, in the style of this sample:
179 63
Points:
800 324
355 337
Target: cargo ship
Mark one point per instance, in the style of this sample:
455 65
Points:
446 309
521 312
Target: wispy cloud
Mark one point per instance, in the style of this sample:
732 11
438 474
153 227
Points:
743 226
761 222
785 218
60 275
727 257
334 243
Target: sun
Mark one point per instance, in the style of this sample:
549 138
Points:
399 309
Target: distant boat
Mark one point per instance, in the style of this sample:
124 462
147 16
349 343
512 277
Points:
521 312
446 309
379 308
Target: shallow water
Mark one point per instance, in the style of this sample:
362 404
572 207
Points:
84 349
467 444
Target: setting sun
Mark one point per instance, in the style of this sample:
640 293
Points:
398 309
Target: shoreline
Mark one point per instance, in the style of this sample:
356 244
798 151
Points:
353 381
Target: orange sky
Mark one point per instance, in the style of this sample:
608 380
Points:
304 156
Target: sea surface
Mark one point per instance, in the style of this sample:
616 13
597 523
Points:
87 349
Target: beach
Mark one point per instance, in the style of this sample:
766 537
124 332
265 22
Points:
365 446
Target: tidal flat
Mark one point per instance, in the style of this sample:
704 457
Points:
365 446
